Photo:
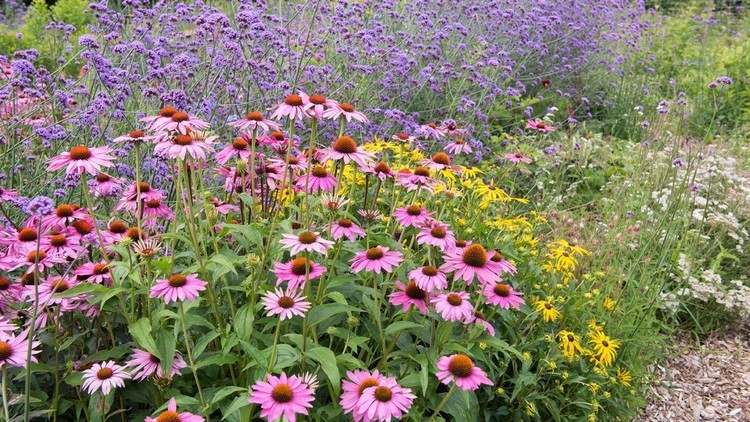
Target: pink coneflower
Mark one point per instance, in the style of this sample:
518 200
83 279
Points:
155 209
413 215
19 242
224 208
132 137
403 137
502 295
49 286
454 306
297 163
165 115
91 272
370 215
376 259
255 121
345 227
7 194
439 161
10 291
345 111
353 386
116 230
450 127
458 146
386 401
472 262
409 295
320 180
297 271
64 215
286 305
460 369
316 105
429 278
82 159
305 241
178 288
517 157
333 202
195 145
38 261
6 327
436 234
380 170
172 415
293 108
282 396
143 364
539 125
480 319
500 265
104 377
419 179
14 349
129 199
239 149
105 185
63 243
180 122
431 130
345 149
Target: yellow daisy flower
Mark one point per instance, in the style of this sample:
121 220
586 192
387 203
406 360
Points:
548 311
570 344
605 348
624 377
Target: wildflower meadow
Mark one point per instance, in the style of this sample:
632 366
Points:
360 210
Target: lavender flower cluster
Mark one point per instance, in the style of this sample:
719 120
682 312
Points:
405 62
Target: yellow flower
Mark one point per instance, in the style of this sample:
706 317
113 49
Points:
570 344
526 356
594 387
482 345
607 394
547 309
551 365
624 377
605 348
500 391
470 172
609 303
530 409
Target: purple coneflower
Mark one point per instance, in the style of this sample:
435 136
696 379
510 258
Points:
105 185
380 170
413 215
345 149
282 396
104 377
404 137
460 369
82 159
195 145
297 271
143 364
385 402
14 349
94 272
539 125
502 295
316 105
409 295
517 157
431 130
458 146
239 149
180 122
439 161
305 241
172 415
255 121
286 305
345 227
345 111
133 136
436 234
320 180
178 288
353 386
376 259
472 262
429 278
293 108
454 306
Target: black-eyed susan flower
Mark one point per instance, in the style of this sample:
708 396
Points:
547 309
570 344
605 348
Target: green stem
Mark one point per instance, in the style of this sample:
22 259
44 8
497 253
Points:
5 393
443 401
191 361
272 359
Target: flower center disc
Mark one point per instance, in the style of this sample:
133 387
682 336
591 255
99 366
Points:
438 232
307 238
347 107
180 116
300 265
382 167
319 171
64 210
345 223
254 115
282 393
293 100
277 135
374 253
317 99
118 226
27 234
36 256
167 111
497 257
168 416
367 383
239 144
134 233
460 243
177 280
60 286
414 292
101 269
183 140
104 373
5 350
80 152
286 302
103 177
414 210
403 136
441 158
383 394
422 171
460 366
429 271
153 203
502 289
345 145
136 134
571 338
4 283
475 255
57 240
454 299
144 186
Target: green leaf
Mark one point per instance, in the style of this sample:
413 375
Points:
203 342
166 345
243 322
216 359
225 392
237 404
221 265
321 313
286 356
327 360
463 406
83 288
400 326
141 333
